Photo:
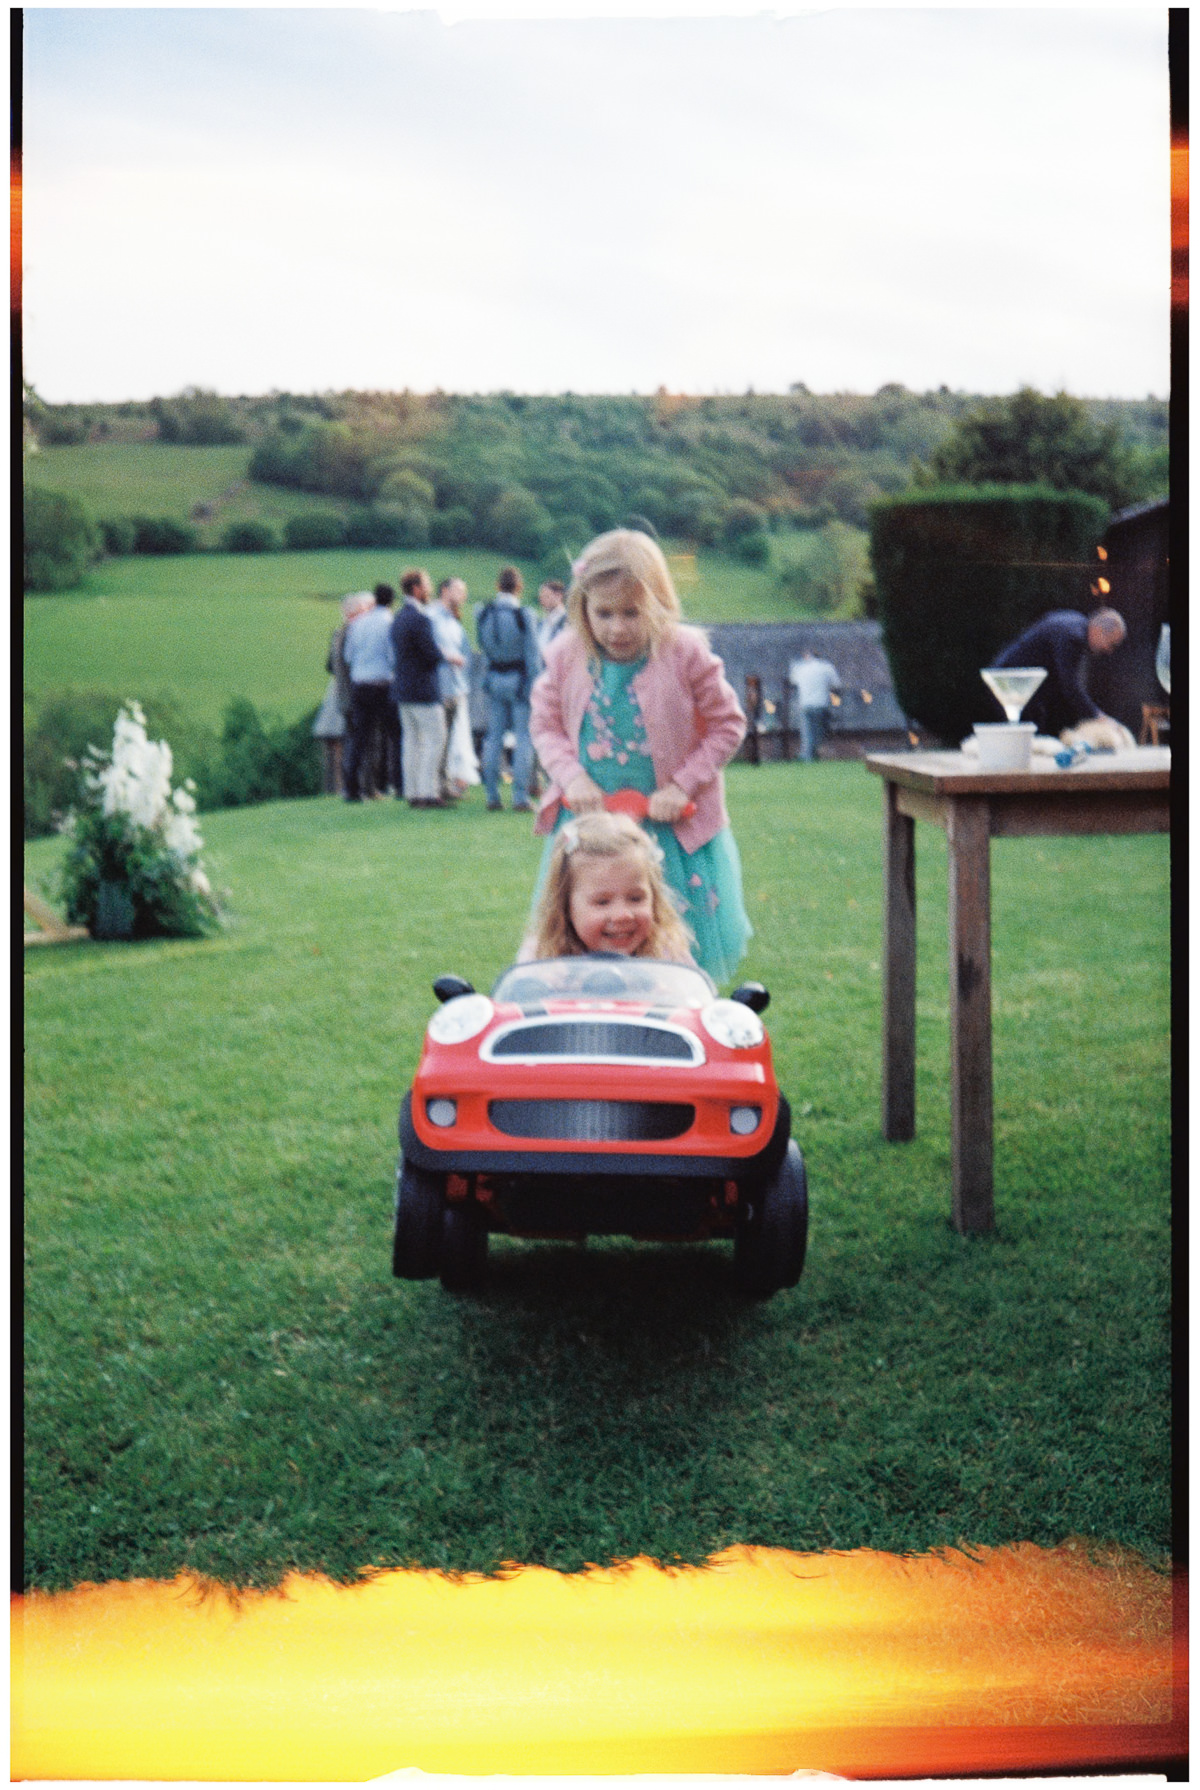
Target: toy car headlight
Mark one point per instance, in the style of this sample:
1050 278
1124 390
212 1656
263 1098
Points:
460 1019
731 1024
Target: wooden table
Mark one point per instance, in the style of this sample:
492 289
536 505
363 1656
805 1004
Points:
1125 792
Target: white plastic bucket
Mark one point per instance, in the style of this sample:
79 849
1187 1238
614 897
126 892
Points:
1005 745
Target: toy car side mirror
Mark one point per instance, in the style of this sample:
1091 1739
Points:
446 988
752 995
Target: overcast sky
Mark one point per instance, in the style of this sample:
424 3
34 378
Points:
251 199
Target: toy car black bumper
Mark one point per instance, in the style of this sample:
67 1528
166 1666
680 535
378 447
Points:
576 1164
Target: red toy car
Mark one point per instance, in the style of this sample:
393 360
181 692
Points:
594 1095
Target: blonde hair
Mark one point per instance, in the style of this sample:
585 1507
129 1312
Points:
624 560
604 835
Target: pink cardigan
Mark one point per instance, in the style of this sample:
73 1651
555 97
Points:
694 725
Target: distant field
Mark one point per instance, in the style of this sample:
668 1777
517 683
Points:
151 479
157 479
208 627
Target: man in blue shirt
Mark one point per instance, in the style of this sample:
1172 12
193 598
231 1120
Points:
1060 642
367 652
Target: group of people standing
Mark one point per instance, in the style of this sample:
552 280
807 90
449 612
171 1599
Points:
400 687
612 696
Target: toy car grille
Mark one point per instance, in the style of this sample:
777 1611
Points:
603 1038
592 1121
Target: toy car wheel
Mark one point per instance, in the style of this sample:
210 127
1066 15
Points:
420 1203
772 1233
464 1249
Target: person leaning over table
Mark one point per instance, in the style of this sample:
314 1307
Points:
1060 643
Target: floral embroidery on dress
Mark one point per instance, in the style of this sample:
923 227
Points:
607 743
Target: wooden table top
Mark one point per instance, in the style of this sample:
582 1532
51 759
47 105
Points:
957 773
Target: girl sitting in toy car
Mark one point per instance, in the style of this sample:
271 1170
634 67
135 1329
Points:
605 891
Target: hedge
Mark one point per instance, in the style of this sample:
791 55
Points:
249 537
960 571
60 539
314 529
255 758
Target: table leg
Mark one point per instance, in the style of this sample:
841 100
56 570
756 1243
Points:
968 838
899 971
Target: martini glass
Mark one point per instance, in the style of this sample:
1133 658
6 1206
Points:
1012 686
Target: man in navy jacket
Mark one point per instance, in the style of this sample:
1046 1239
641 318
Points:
1060 642
415 691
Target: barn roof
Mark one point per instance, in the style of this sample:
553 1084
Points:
766 649
1137 512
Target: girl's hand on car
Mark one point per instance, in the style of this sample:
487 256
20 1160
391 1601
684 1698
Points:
583 796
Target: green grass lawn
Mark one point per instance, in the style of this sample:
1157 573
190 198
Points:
223 1376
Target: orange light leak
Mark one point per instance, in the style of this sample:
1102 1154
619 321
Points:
1179 222
860 1664
15 191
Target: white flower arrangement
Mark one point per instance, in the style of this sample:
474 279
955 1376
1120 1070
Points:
133 868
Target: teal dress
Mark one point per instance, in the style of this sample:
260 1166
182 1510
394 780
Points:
706 883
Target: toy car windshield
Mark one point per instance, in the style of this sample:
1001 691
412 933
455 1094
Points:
608 978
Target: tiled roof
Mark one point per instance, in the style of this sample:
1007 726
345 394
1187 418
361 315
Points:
766 649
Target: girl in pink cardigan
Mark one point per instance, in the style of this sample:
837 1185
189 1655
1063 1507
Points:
630 698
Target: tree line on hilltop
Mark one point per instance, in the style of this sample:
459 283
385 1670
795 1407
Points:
535 477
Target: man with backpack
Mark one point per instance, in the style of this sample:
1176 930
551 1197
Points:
507 639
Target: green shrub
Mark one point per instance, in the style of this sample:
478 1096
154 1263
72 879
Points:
261 761
405 487
825 572
518 523
753 549
959 571
249 537
60 539
197 418
387 525
569 535
850 495
316 529
454 527
651 504
252 761
742 518
62 428
68 721
118 534
162 534
1030 439
320 456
